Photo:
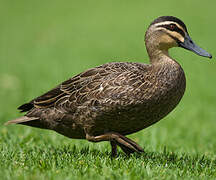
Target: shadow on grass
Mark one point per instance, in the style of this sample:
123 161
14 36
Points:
195 164
165 158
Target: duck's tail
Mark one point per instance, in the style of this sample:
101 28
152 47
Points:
29 121
21 120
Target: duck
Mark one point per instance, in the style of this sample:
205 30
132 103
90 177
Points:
110 101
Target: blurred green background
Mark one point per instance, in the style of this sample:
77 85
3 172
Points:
43 43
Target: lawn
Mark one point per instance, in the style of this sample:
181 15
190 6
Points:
43 43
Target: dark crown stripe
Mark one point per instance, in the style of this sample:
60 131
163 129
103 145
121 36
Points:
169 18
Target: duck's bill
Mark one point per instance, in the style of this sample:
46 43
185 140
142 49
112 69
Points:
190 45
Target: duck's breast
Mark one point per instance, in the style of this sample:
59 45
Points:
142 104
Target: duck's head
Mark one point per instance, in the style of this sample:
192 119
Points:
166 32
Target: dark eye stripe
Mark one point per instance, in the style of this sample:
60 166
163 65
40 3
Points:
167 26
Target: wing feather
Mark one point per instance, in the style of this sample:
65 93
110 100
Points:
92 83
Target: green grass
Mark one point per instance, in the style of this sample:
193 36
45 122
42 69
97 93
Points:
43 43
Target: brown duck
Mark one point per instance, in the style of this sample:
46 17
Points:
110 101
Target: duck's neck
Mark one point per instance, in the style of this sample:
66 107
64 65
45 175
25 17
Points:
158 53
159 56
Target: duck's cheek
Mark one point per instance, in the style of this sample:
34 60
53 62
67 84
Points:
166 42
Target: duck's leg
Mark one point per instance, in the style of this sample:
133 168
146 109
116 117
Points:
114 148
126 144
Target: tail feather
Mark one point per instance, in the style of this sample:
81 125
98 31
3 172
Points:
21 120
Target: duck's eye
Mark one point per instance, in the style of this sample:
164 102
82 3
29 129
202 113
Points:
172 26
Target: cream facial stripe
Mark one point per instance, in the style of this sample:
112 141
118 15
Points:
168 23
177 32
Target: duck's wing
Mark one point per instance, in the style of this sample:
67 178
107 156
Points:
89 85
64 90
